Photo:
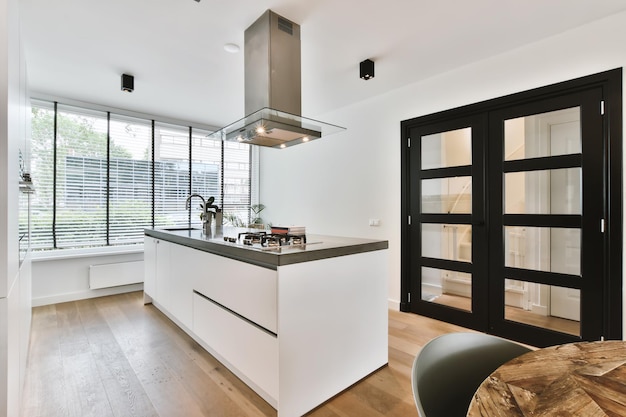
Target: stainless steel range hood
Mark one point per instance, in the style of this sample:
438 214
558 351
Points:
273 88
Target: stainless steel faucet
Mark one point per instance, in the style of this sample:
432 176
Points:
188 203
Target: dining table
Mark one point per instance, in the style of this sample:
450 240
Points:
575 379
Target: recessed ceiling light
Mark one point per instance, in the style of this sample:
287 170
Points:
232 48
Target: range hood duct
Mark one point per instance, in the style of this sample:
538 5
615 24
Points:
273 88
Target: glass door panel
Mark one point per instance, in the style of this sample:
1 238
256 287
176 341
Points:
447 195
546 134
556 191
540 305
447 241
447 149
450 220
543 249
448 288
542 207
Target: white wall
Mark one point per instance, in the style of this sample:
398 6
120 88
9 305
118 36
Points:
61 279
334 185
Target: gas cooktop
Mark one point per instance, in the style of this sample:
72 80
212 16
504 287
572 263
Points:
268 241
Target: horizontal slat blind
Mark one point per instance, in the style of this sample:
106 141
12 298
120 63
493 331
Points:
237 182
107 187
130 182
42 162
171 174
206 164
81 183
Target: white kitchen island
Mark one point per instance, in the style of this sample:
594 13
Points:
298 325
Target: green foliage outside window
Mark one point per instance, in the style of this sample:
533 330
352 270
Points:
86 206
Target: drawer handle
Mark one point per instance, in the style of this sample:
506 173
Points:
234 313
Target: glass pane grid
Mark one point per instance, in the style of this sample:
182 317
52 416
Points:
547 306
84 191
447 195
544 140
543 249
447 287
546 134
447 149
447 241
557 191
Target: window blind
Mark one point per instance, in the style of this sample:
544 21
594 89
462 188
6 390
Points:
206 168
42 164
171 174
81 183
237 192
101 178
130 179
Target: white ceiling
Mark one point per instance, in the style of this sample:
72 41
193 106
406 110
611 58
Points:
78 49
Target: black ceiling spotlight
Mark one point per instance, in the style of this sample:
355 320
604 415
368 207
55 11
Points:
128 83
367 69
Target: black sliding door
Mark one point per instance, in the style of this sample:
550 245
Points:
448 219
547 219
513 214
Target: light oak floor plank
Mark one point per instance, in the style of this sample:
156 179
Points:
113 356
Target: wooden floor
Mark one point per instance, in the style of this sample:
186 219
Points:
113 356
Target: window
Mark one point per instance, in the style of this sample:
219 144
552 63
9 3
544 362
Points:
206 171
101 178
130 179
171 174
81 180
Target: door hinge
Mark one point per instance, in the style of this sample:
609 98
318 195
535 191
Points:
601 225
602 107
408 144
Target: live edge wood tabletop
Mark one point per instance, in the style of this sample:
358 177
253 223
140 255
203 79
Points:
576 379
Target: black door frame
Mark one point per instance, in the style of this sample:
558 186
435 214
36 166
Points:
591 162
610 83
478 123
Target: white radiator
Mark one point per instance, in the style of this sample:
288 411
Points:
114 275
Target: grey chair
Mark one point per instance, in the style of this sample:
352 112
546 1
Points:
450 368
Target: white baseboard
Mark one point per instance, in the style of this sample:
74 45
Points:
83 295
393 304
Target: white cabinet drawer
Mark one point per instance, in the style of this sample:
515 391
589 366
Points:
246 289
180 288
251 350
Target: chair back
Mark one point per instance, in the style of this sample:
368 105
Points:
450 368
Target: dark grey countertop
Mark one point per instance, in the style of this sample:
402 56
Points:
317 246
